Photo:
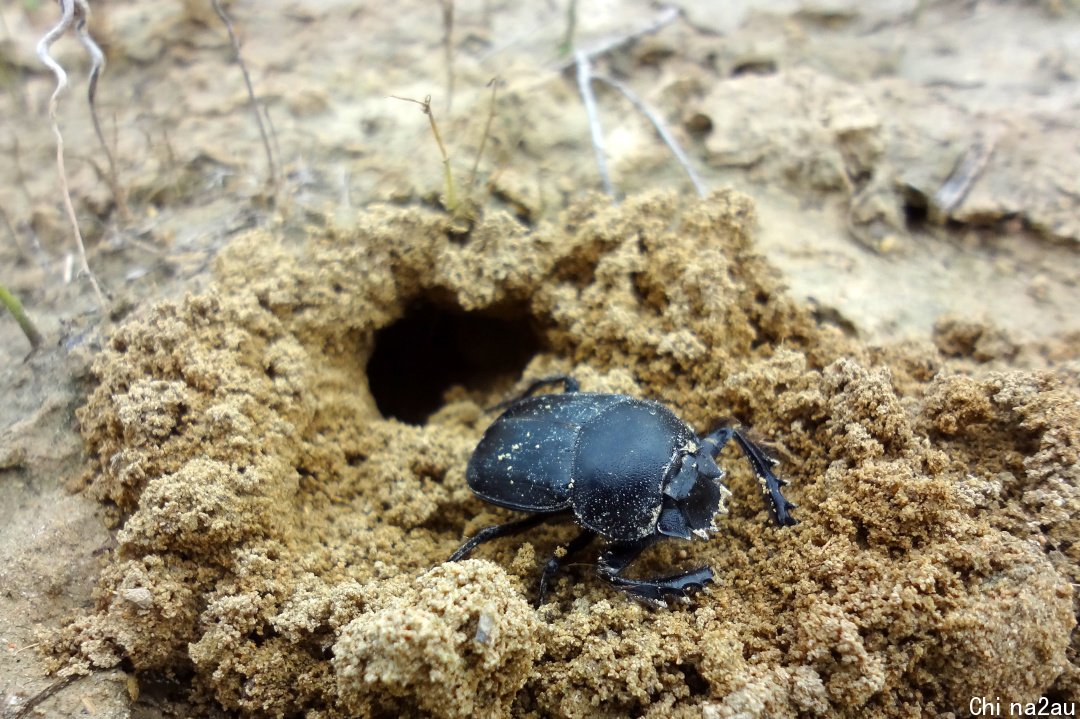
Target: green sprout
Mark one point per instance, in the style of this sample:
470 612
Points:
16 309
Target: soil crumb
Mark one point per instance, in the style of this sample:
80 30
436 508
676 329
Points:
460 641
282 533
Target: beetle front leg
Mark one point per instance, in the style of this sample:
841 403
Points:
778 505
648 591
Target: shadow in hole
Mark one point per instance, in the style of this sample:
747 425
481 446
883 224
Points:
436 346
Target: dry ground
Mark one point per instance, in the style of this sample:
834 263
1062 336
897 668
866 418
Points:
841 120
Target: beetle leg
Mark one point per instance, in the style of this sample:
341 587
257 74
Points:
496 531
569 384
555 563
648 591
779 507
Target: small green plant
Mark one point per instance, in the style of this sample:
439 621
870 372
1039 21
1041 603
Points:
463 211
16 309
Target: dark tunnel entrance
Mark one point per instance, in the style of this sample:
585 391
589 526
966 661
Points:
436 346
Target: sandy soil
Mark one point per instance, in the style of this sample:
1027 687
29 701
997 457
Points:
231 492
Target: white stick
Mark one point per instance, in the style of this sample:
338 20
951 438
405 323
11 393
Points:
584 79
67 17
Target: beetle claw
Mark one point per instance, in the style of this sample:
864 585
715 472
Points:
648 601
654 593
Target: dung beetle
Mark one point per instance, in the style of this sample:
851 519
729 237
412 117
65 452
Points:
627 469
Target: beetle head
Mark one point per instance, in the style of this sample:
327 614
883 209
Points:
692 497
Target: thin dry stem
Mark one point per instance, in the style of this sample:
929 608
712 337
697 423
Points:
584 80
571 27
487 132
425 107
667 16
273 132
97 66
68 11
583 62
31 704
661 129
448 49
272 176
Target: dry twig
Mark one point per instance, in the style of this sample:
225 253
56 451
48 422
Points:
450 202
661 129
33 702
583 62
97 67
571 27
487 131
584 81
669 15
448 49
272 178
69 10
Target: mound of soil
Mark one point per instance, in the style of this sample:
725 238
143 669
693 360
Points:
285 458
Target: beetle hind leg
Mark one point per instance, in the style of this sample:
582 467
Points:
652 592
496 531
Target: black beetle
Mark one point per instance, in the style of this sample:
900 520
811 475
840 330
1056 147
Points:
628 469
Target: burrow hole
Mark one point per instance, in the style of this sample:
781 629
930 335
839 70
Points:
436 345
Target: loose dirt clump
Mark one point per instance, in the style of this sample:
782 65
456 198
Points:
282 529
438 646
